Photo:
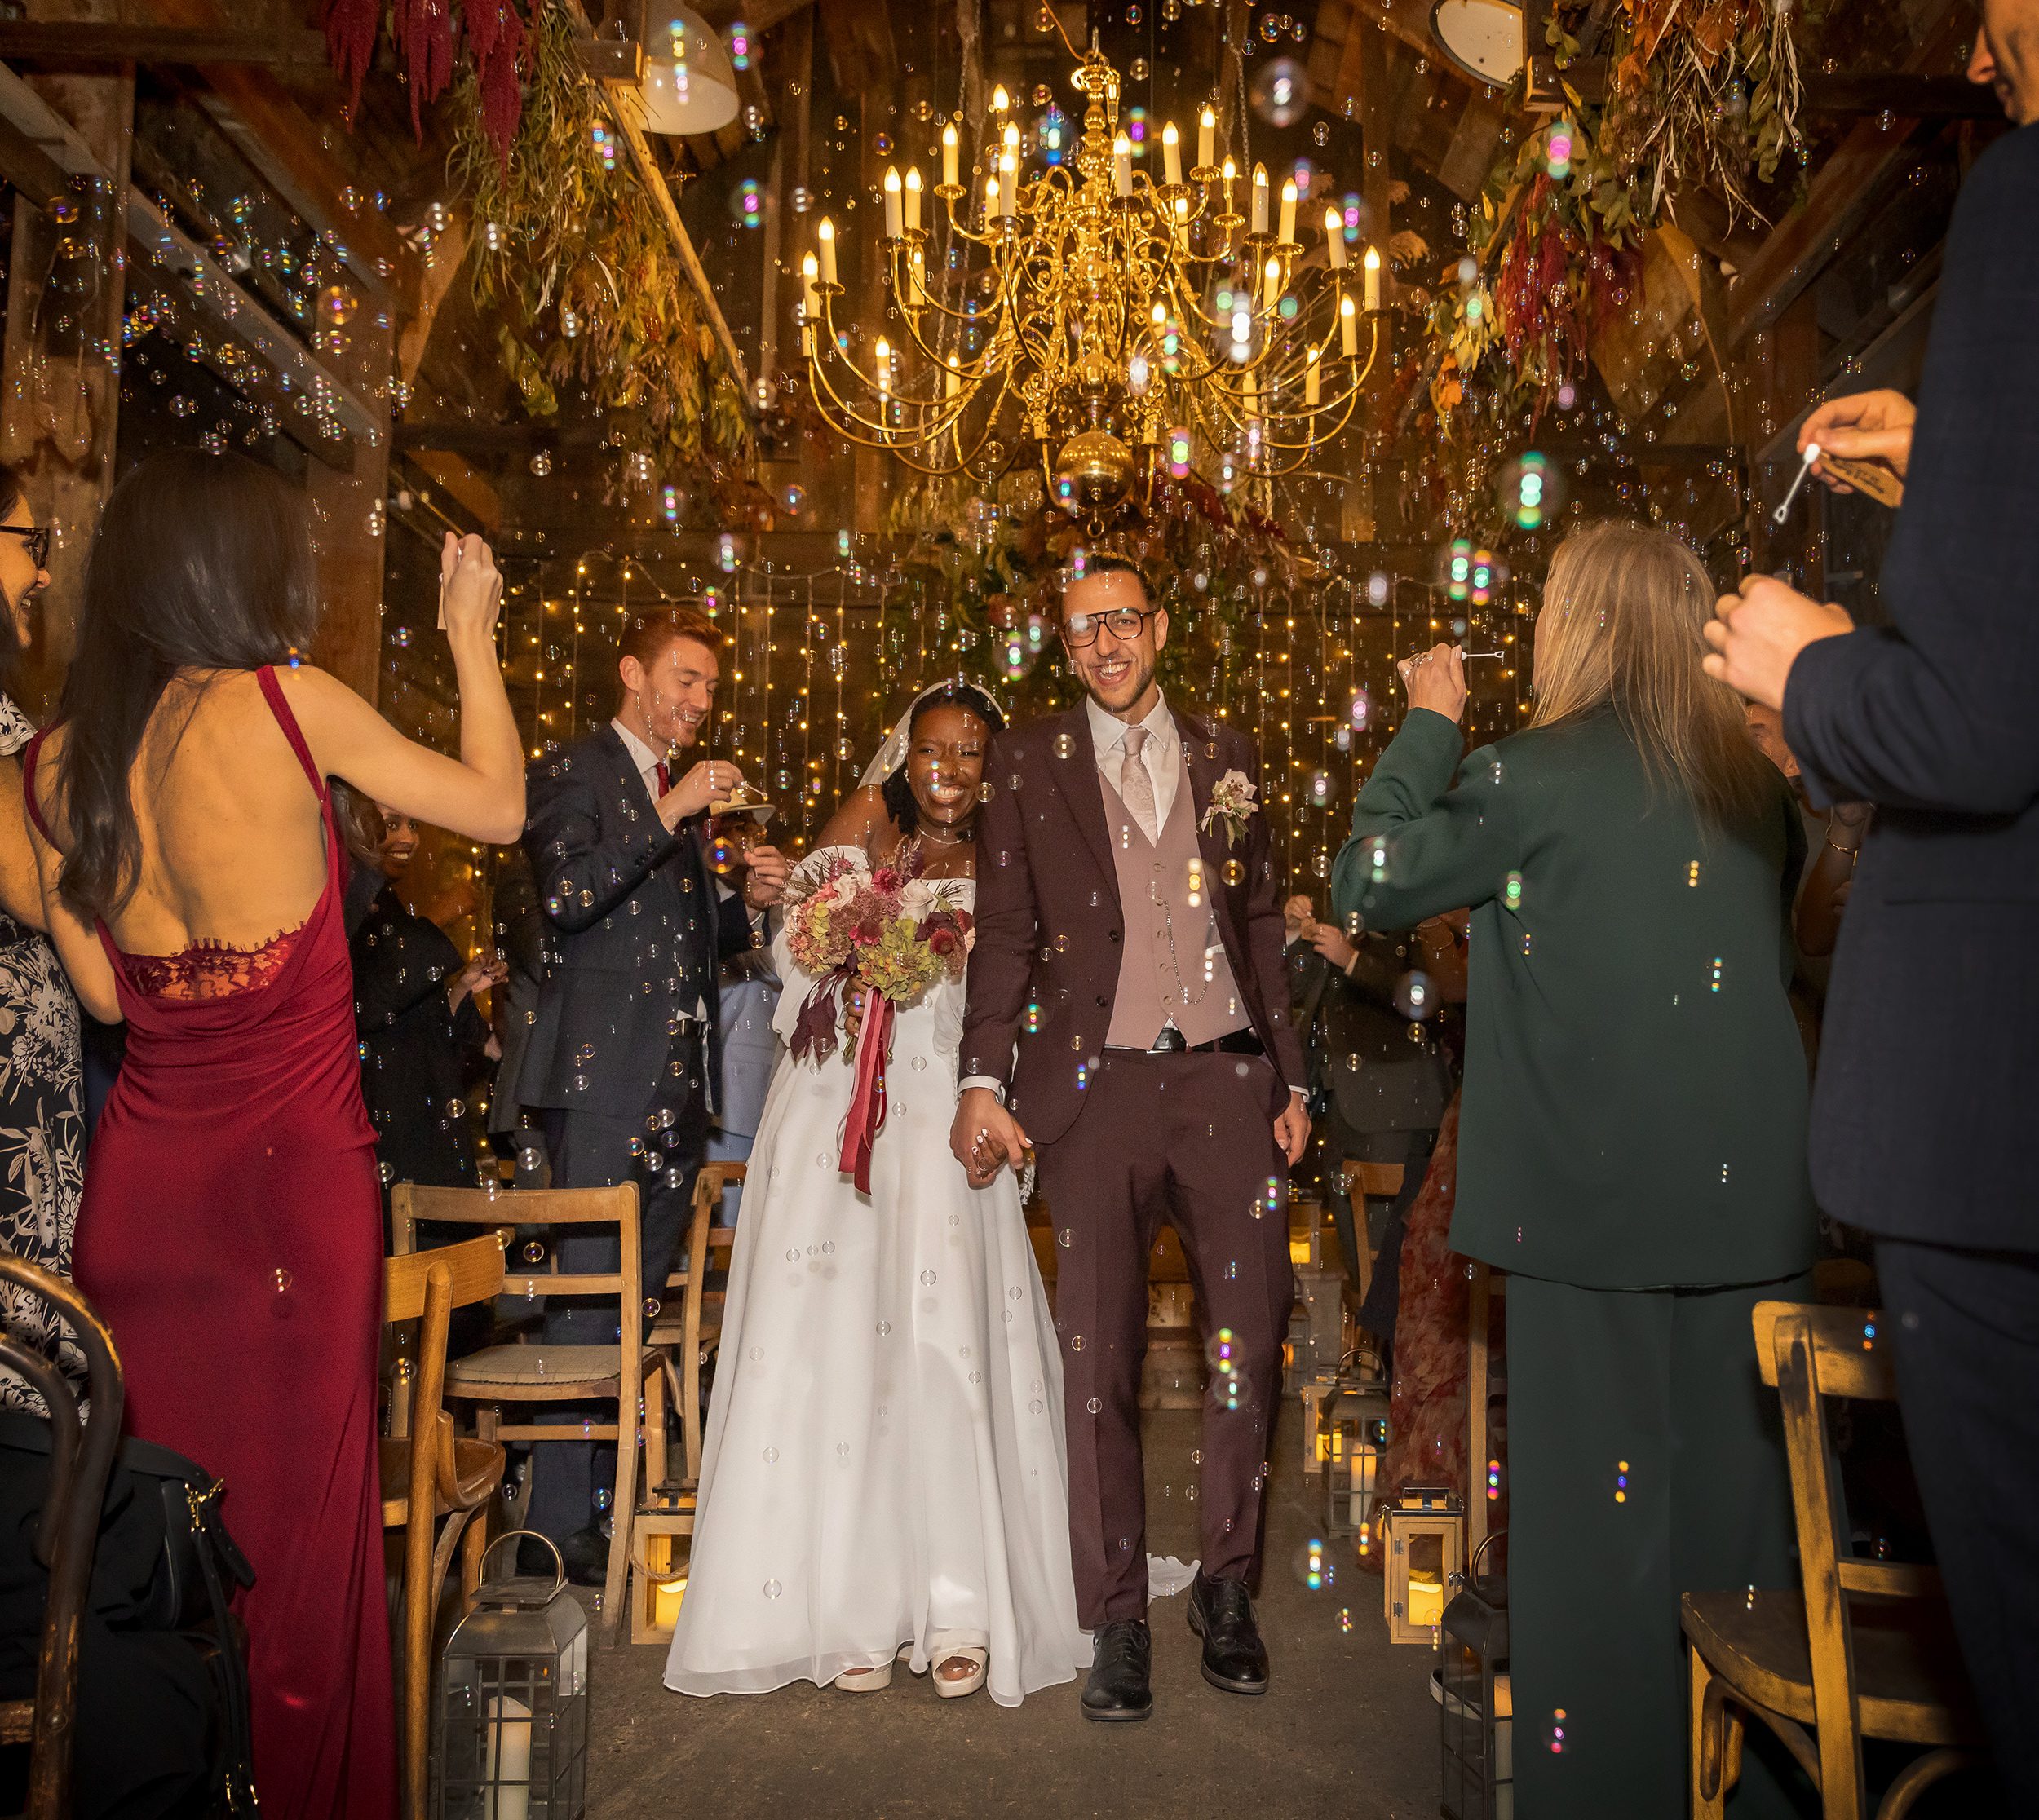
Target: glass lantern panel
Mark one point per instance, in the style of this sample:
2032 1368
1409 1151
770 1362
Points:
1426 1588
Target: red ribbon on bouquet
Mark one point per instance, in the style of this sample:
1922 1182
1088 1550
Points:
867 1104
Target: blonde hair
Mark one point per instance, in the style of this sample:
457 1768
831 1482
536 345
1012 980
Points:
1624 609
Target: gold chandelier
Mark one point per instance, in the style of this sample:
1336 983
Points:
1103 324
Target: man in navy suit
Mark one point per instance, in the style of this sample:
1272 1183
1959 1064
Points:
625 1048
1929 1064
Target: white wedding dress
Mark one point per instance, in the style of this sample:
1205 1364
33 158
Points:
883 1463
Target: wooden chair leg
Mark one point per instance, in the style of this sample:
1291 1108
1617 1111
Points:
690 1405
655 1439
419 1587
623 1524
1709 1753
472 1542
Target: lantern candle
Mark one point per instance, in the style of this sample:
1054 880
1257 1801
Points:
1122 165
1348 327
1310 372
1171 155
1288 211
1373 279
892 202
912 197
1334 239
1260 198
506 1768
1206 140
948 155
825 240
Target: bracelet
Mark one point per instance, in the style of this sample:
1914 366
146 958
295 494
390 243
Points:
1851 853
1346 970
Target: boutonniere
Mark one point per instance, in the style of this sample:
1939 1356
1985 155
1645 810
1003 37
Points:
1231 802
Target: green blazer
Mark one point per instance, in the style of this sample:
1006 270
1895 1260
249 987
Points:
1634 1109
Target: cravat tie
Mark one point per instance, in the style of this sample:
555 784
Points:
1136 783
665 783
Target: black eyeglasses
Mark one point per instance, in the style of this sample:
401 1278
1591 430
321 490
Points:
1081 629
37 538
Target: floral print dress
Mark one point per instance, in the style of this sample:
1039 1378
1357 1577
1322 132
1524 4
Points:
42 1125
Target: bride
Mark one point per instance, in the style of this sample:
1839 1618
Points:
884 1473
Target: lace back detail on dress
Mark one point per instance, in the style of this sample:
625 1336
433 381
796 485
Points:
211 970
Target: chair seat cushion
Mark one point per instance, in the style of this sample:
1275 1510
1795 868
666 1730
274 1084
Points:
541 1367
1907 1667
478 1467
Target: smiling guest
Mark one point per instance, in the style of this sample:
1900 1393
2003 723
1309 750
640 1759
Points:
626 1045
41 1087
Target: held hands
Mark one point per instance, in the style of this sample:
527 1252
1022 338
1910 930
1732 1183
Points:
985 1137
1863 426
1757 635
1436 680
765 883
692 793
470 587
1292 1129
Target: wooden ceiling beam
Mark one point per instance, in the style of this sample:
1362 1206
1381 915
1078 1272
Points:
73 43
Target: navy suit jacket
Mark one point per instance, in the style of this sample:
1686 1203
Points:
1929 1064
631 914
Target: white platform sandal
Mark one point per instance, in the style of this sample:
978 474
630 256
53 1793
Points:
866 1680
960 1685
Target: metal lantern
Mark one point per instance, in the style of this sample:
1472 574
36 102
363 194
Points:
1477 1722
1354 1432
513 1725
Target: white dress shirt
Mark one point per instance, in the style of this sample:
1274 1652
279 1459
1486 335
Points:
642 756
1163 757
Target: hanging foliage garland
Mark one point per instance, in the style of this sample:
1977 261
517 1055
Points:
573 265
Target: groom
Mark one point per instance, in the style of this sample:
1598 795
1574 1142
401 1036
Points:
1127 922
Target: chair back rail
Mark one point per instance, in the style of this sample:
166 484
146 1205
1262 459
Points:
67 1537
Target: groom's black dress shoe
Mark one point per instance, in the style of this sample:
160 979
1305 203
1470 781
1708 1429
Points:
1221 1613
1118 1691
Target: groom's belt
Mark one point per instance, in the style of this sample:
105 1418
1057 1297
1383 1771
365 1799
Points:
1172 1042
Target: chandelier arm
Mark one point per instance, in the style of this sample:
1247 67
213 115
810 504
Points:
928 301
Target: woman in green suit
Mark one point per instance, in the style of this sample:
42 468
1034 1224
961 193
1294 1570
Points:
1632 1138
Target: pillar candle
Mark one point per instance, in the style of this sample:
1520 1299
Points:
824 239
1171 155
1289 210
1206 140
892 221
912 196
1348 327
1373 279
948 154
1260 198
1334 239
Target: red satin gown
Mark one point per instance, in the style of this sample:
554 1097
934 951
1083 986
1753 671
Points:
231 1235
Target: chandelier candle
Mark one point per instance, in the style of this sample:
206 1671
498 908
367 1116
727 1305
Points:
1288 212
1122 167
949 156
893 223
1206 142
1372 282
1260 198
1171 157
825 243
1334 239
912 198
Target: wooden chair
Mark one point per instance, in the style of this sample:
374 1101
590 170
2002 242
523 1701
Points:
685 1334
1864 1649
444 1478
68 1532
1365 1181
541 1372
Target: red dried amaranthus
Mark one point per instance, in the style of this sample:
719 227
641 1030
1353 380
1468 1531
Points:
427 36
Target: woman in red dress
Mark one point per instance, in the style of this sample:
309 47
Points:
231 1229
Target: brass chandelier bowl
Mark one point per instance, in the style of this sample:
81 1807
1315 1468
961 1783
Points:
1088 318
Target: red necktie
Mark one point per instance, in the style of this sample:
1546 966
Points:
665 783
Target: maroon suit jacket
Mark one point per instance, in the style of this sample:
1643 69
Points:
1050 933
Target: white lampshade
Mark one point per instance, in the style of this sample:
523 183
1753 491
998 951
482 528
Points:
1483 38
706 99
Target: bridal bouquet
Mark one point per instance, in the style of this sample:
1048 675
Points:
886 932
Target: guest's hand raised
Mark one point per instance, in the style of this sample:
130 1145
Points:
1435 679
709 781
1757 635
470 587
765 883
1329 941
1863 426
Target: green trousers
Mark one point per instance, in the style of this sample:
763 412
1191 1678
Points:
1645 1459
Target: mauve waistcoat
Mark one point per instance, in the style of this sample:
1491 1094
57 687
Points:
1202 998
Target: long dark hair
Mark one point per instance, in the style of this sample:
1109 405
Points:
898 791
202 563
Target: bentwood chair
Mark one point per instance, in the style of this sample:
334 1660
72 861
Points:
1864 1649
687 1334
434 1482
67 1534
1365 1181
540 1371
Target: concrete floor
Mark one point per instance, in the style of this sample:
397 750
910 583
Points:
1347 1728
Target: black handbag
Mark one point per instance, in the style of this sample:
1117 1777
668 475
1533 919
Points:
165 1562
